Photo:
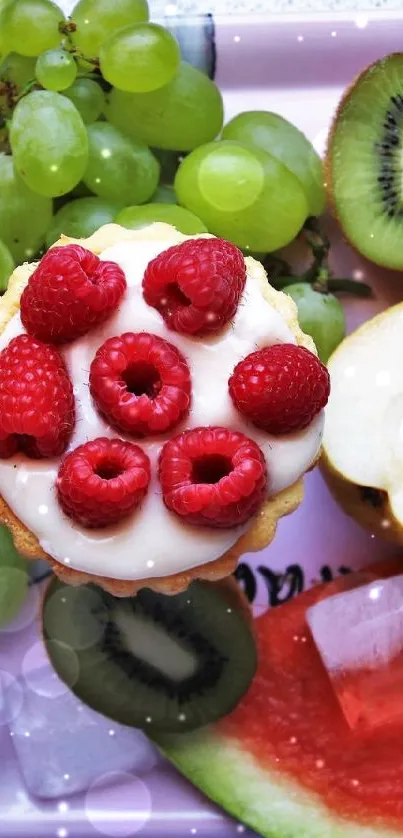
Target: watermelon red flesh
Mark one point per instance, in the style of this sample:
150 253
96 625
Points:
285 761
371 698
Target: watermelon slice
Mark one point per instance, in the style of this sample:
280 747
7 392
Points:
285 762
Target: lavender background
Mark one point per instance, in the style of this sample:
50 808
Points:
222 7
66 772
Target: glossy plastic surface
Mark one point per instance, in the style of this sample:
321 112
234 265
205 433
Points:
298 67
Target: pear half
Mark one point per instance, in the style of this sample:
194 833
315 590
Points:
363 439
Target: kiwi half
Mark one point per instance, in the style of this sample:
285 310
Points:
161 663
365 163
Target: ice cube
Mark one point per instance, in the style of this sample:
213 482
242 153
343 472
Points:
62 746
359 636
11 698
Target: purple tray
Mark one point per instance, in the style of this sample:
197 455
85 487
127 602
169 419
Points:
298 67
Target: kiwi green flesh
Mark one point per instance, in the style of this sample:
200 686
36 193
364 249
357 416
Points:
157 662
366 163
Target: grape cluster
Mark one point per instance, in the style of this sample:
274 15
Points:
101 120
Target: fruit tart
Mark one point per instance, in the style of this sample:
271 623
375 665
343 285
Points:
159 405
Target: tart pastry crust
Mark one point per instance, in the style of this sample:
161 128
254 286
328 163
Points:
262 528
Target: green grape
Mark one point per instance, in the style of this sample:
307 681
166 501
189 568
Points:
320 315
13 578
97 20
182 219
88 97
3 47
30 27
85 67
24 215
272 133
180 116
81 218
18 69
55 69
140 58
119 168
49 143
7 266
164 195
242 194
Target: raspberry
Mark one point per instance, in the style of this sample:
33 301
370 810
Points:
280 388
103 481
36 400
196 285
70 292
213 477
141 383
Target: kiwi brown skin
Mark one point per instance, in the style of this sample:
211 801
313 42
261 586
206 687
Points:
229 588
238 652
327 163
369 507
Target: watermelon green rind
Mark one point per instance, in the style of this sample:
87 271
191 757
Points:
269 802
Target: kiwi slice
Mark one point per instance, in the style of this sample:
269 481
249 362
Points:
161 663
365 162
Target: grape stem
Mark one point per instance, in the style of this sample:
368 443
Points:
13 96
333 285
319 244
319 274
66 28
275 267
5 147
76 53
351 286
9 91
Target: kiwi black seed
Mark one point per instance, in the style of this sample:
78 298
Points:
364 162
161 663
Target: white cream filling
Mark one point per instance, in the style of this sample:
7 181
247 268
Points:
154 542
